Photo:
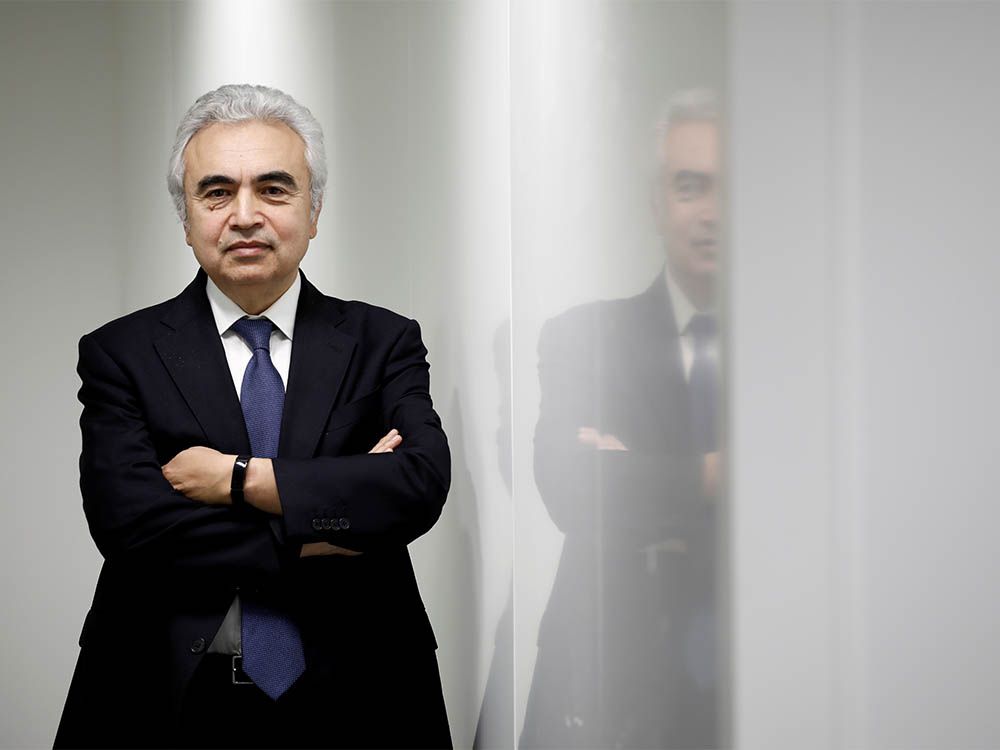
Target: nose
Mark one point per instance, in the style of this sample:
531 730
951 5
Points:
245 214
708 214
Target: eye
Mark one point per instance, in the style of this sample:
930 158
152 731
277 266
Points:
216 193
688 186
274 190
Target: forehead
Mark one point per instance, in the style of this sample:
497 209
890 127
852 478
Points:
244 149
692 144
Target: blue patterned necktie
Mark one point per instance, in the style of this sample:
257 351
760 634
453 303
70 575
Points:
272 646
703 385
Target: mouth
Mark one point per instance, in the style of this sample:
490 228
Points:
247 249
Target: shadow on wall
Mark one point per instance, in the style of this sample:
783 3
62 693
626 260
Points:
495 727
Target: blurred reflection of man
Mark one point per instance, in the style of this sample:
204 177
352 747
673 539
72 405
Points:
627 462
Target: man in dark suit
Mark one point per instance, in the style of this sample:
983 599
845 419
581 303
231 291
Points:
256 457
627 463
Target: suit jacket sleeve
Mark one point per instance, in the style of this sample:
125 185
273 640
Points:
638 496
135 516
370 501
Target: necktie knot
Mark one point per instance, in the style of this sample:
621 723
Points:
702 328
255 331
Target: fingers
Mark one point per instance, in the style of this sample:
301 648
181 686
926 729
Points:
315 549
389 441
335 550
594 438
610 443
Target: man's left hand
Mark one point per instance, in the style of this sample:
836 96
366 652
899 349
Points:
201 474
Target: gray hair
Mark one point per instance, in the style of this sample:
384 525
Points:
235 103
688 105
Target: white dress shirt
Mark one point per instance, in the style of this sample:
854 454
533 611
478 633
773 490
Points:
238 352
684 310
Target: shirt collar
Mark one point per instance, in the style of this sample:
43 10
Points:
281 313
682 308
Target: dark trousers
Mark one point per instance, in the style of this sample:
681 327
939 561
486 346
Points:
371 712
389 698
219 714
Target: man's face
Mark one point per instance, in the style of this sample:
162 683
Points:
691 197
247 192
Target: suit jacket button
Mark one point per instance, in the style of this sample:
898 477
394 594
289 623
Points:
327 524
345 523
317 524
197 645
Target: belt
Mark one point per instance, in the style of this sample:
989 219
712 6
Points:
239 676
232 666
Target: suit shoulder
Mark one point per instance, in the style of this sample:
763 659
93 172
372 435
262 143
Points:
589 318
128 328
374 312
372 319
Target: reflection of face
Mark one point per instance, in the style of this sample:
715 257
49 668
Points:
247 192
691 195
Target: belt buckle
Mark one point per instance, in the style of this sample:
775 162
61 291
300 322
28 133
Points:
239 676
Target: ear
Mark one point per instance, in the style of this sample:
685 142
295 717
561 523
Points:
315 220
186 221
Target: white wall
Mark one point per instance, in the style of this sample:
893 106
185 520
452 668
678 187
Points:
929 368
781 377
863 397
61 276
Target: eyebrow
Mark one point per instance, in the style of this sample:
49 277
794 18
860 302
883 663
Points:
214 179
279 175
689 173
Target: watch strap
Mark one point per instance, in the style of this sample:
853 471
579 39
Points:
239 479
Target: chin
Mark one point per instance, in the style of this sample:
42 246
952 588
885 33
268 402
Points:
704 265
251 273
701 269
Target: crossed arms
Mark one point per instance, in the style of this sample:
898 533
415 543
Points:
204 475
139 517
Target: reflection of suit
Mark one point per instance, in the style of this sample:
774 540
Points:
614 662
157 382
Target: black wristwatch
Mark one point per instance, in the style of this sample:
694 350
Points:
239 478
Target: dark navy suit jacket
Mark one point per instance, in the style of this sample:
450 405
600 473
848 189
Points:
156 382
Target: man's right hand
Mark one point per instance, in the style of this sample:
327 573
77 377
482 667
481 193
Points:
386 444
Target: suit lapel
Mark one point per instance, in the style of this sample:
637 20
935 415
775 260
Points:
320 357
192 352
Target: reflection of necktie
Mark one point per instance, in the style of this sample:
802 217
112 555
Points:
703 388
272 646
704 382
